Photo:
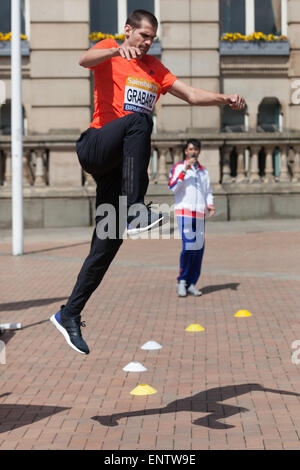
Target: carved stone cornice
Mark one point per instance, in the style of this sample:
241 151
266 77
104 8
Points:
255 66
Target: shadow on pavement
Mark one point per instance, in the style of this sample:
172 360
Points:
23 304
7 335
34 324
203 402
15 416
210 289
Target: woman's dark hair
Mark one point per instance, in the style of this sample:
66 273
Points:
135 18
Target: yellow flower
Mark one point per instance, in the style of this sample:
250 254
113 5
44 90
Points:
99 36
7 36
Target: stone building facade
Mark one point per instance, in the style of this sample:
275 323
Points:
57 103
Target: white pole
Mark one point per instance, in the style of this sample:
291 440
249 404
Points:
16 130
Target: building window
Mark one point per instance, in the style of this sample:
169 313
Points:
268 16
104 16
5 16
234 121
110 17
247 16
140 5
5 119
269 118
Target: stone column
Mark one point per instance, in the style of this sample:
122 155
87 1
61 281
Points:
150 175
1 167
40 179
8 172
162 176
27 173
296 172
240 177
254 169
226 171
178 155
269 178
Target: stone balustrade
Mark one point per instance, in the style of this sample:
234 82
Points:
51 161
260 162
234 158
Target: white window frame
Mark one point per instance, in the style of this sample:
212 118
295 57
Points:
250 17
122 14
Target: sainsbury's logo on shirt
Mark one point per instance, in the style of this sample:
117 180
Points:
144 84
140 95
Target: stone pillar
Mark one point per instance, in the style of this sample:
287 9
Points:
40 179
226 172
178 155
162 176
27 174
296 171
8 172
269 178
240 177
1 167
254 170
284 176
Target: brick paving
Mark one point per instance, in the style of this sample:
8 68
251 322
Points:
232 386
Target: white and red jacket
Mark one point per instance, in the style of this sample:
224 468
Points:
192 191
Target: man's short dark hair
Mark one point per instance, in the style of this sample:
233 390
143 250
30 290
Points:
137 16
195 142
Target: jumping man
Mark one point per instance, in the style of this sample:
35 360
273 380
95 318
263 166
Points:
115 149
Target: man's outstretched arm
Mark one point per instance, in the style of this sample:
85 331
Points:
199 97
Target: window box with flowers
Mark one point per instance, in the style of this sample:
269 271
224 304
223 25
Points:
5 45
255 44
155 49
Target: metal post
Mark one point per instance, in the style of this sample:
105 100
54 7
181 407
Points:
16 130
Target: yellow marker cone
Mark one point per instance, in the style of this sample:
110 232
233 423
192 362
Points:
143 389
243 313
195 327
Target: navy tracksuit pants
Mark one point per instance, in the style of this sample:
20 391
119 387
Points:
192 234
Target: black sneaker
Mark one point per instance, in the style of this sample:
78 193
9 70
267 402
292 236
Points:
70 329
146 220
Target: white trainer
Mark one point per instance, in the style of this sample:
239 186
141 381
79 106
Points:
194 291
181 289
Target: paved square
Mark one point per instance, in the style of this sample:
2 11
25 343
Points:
232 386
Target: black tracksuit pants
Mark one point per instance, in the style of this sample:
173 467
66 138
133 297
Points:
117 156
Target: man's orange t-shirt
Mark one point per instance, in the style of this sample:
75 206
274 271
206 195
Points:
124 86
